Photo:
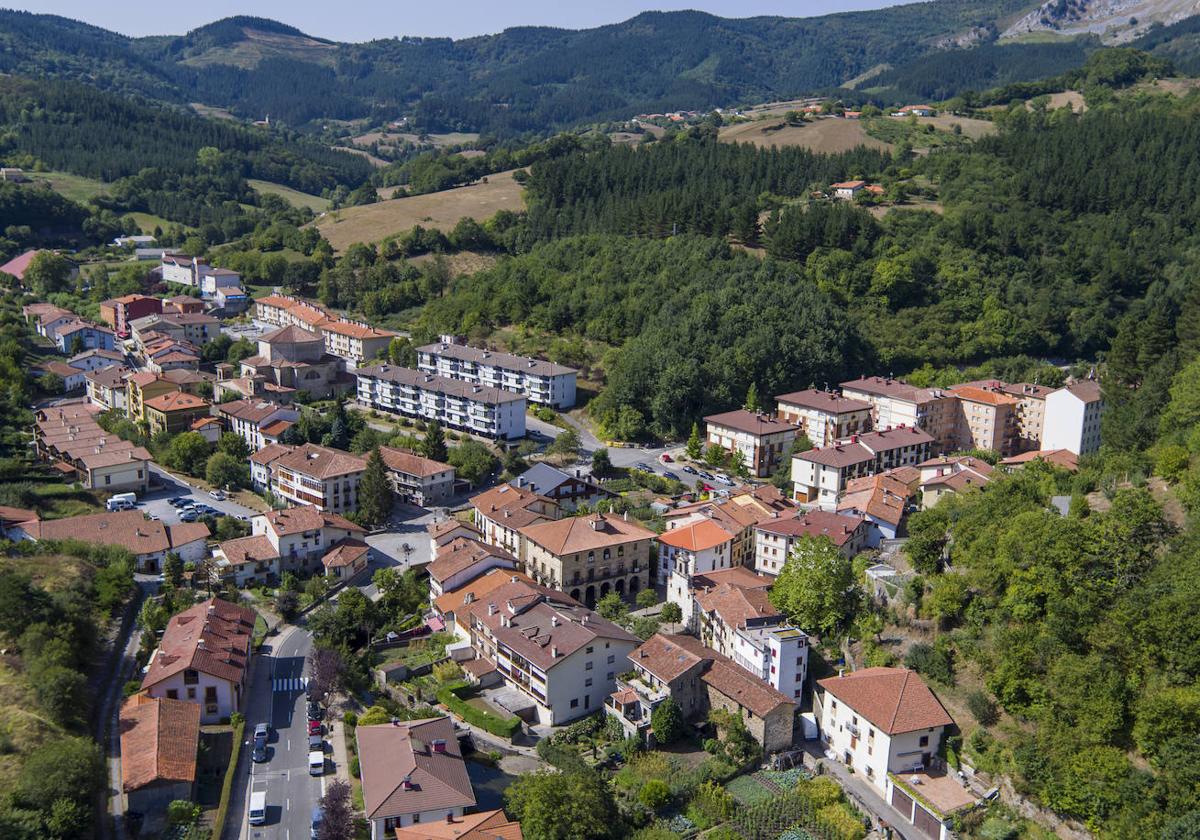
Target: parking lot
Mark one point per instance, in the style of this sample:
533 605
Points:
155 502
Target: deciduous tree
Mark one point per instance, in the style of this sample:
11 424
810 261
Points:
816 588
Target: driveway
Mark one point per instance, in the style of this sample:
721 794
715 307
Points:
155 502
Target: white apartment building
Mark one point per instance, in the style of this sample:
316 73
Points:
895 404
542 382
561 655
178 269
320 476
301 535
824 416
775 538
880 721
821 475
691 550
478 409
1073 418
246 418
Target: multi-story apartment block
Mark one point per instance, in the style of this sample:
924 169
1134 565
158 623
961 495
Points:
774 539
174 412
541 382
561 655
195 327
895 403
821 475
1031 413
824 416
78 335
1073 418
741 623
178 269
948 474
589 556
987 419
118 312
247 418
692 550
417 480
143 386
479 409
762 440
299 536
106 388
320 476
354 341
738 514
502 511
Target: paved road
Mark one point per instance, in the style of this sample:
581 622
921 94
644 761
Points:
278 698
155 502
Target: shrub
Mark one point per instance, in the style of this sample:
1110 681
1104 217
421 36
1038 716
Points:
840 823
933 661
655 794
355 770
982 708
667 722
822 791
350 719
447 695
182 812
994 828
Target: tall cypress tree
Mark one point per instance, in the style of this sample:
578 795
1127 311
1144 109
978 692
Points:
434 446
374 492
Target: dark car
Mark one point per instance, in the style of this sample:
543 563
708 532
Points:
705 475
314 710
176 501
189 516
689 470
670 475
259 754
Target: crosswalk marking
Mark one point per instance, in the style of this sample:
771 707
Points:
289 683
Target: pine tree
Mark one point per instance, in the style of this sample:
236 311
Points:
434 446
374 492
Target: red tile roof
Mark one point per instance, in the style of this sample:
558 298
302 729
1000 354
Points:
462 553
410 463
389 754
827 401
699 536
159 740
486 825
734 605
585 533
321 461
895 700
212 637
297 520
250 549
345 552
1064 458
815 523
749 422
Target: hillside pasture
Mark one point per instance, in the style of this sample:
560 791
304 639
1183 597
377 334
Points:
74 187
291 196
829 135
440 210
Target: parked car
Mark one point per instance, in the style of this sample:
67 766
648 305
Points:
314 710
670 475
316 764
689 470
666 458
178 501
707 476
259 754
724 479
219 495
189 515
646 468
314 727
262 730
316 742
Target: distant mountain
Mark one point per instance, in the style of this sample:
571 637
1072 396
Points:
1117 21
538 79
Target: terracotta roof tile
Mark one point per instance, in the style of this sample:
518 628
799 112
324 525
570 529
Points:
894 699
485 825
585 533
159 741
462 553
410 463
345 552
212 637
321 461
389 754
749 422
698 536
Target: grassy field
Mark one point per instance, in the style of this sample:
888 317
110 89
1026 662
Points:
293 197
74 187
822 135
148 222
442 210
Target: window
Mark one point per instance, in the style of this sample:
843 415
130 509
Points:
172 694
191 693
611 659
610 675
416 818
574 702
799 661
589 650
191 677
587 683
587 667
924 742
108 479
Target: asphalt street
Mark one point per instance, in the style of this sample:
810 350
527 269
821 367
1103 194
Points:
277 698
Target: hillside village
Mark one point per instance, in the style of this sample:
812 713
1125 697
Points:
724 449
549 603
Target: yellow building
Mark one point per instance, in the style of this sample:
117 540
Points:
175 412
144 386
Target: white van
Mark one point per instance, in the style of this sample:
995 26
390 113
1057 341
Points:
258 807
122 501
316 763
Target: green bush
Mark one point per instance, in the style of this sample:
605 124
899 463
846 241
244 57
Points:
982 708
350 719
355 769
655 793
447 695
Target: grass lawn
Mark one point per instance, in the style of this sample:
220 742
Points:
74 187
420 651
260 630
61 501
293 197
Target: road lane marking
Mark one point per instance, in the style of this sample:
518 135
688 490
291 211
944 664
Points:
289 684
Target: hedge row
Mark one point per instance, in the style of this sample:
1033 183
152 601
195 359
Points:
227 784
447 695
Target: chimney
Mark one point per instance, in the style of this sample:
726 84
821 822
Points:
491 609
841 672
520 481
450 818
553 621
554 652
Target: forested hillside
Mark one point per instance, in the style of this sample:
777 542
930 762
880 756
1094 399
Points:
513 82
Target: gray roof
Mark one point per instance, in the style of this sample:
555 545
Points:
439 384
542 478
507 361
